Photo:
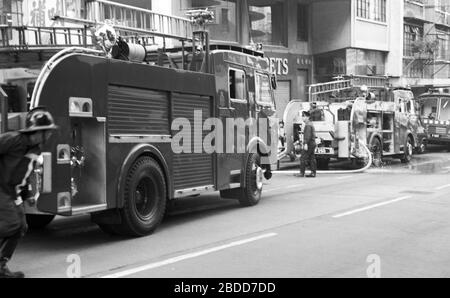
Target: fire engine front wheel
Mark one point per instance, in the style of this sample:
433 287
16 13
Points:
251 194
144 198
254 178
36 221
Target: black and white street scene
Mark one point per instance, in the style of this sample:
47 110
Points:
225 139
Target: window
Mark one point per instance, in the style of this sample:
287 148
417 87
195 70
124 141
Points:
428 108
412 34
374 10
237 84
263 90
442 38
14 9
268 22
444 114
441 5
302 22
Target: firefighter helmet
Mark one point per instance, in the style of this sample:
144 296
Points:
39 119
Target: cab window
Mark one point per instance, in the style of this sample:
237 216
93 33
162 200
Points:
445 109
263 90
237 84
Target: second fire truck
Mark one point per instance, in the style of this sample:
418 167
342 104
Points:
389 128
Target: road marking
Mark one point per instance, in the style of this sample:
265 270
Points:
284 188
187 256
345 177
371 207
443 187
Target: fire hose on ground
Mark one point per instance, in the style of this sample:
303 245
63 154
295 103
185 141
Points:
362 170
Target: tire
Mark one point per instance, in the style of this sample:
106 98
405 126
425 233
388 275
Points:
377 152
145 199
422 148
323 163
251 194
37 222
409 149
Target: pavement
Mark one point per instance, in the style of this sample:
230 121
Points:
391 221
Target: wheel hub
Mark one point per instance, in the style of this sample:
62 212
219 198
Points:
259 178
410 149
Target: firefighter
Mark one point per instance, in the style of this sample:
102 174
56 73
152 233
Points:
309 147
18 152
282 134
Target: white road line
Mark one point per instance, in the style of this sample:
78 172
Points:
345 177
443 187
186 257
284 188
371 207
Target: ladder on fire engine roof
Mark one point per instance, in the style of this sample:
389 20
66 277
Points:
342 84
328 87
133 20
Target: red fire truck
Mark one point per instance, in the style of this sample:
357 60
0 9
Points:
113 157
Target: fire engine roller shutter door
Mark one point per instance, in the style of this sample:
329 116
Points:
282 97
134 111
192 169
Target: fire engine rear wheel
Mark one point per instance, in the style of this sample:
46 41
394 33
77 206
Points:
36 221
144 199
377 152
409 150
254 178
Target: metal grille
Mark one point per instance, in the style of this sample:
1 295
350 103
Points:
441 130
192 169
137 112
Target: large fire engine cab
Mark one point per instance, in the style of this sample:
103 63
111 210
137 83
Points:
119 116
435 110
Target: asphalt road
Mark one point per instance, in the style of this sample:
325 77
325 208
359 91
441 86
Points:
389 222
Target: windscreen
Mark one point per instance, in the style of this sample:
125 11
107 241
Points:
444 114
429 108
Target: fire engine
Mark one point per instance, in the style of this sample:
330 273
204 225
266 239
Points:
389 127
435 110
113 157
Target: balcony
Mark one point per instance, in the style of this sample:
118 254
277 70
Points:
415 10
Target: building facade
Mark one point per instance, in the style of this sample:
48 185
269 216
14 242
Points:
306 41
359 38
426 55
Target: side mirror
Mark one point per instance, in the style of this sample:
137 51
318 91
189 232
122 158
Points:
273 80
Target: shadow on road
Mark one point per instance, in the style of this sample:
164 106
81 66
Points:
76 233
